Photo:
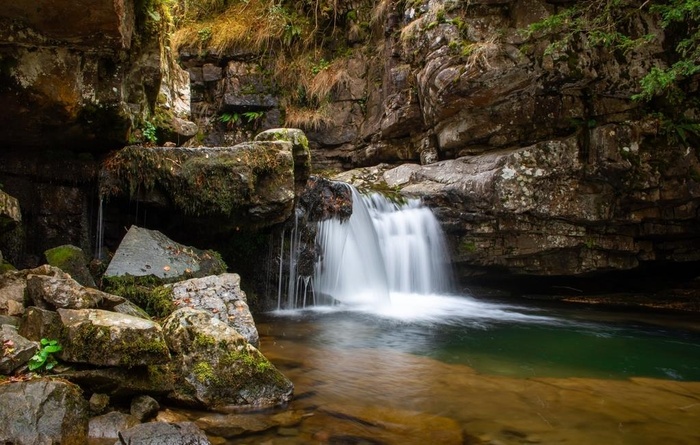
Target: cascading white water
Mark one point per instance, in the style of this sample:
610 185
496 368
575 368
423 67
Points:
384 250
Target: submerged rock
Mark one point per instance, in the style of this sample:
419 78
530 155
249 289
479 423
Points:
43 411
161 433
216 368
232 425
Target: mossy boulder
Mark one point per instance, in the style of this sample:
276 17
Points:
105 338
217 368
247 185
72 260
300 150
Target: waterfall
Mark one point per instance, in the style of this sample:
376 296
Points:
383 251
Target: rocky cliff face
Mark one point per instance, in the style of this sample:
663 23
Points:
78 79
535 157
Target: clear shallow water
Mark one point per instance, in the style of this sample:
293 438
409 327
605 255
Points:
463 371
500 339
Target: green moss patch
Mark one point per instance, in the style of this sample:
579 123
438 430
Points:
147 292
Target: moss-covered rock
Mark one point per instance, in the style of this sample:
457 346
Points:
217 368
72 260
250 184
104 338
148 292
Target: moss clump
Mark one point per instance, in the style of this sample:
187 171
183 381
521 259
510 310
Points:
71 259
204 372
202 341
467 246
147 292
6 267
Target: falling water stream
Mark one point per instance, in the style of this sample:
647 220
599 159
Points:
382 350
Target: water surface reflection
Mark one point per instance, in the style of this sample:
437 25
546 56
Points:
502 375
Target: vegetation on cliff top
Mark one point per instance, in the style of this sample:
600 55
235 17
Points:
609 23
309 41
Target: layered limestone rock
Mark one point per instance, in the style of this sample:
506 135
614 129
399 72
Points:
560 208
78 80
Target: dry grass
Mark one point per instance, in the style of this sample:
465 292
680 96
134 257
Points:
306 118
327 79
380 12
255 25
478 53
294 33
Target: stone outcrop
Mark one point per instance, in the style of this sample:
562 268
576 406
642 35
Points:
546 209
89 80
549 167
216 367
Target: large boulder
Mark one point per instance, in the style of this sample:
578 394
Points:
98 337
248 185
144 252
220 295
217 368
61 291
43 411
